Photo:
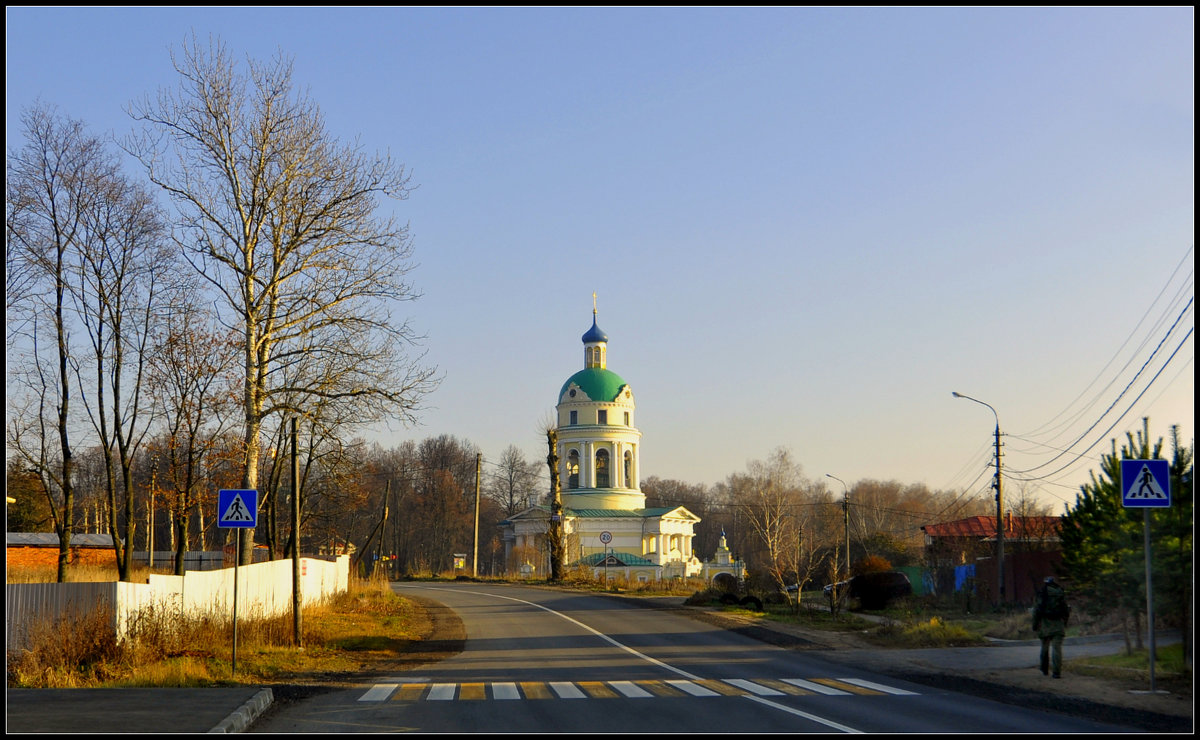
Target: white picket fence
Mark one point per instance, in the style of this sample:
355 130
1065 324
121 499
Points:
263 589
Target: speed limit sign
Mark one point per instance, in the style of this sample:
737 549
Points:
606 537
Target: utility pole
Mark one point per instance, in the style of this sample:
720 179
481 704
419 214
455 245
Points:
297 619
846 528
845 518
475 553
1000 524
150 529
999 500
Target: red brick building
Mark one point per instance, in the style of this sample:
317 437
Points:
40 550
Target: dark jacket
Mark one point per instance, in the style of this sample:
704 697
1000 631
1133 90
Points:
1051 614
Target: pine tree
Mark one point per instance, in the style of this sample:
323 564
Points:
1103 541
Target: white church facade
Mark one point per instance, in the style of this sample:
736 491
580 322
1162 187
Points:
606 525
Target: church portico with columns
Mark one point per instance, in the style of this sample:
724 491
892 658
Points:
606 526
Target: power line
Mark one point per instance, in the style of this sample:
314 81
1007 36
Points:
1124 390
1178 295
1129 408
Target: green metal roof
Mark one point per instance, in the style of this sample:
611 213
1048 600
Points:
625 558
609 513
599 384
605 513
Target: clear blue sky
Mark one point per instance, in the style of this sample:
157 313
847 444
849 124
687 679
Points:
806 227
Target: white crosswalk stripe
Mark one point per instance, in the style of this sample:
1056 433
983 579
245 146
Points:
567 690
511 691
379 692
877 686
505 691
691 688
815 687
753 688
442 691
630 689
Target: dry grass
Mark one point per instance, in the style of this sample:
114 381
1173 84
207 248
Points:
366 623
934 632
67 653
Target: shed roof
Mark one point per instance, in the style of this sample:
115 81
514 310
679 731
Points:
985 527
50 539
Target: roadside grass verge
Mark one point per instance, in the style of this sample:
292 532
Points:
1135 665
365 624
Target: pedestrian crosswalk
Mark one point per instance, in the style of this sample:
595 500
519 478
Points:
638 689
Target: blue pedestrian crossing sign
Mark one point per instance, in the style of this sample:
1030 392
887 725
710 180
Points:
1145 483
237 508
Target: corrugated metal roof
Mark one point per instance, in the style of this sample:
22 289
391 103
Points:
985 526
50 539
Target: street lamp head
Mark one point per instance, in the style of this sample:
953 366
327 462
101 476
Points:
955 394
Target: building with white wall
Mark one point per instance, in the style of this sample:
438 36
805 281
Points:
606 525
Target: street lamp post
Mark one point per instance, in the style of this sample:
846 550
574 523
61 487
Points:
999 500
845 517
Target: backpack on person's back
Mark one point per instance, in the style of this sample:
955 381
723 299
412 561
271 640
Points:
1054 603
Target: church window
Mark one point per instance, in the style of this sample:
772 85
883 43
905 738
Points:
574 418
573 468
601 417
602 469
626 418
628 469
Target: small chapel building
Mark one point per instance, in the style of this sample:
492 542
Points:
606 525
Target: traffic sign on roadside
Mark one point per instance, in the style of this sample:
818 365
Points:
1145 483
237 507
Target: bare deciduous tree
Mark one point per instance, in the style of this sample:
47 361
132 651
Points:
515 484
770 499
123 266
190 376
281 219
50 194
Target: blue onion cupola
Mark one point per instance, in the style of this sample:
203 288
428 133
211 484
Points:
595 345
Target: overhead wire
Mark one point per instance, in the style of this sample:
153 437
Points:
1124 390
1133 332
1043 436
1131 404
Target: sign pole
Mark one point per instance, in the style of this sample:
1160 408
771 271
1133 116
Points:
1146 484
1149 598
237 561
605 538
237 508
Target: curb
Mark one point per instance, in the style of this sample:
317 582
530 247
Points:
1083 640
245 715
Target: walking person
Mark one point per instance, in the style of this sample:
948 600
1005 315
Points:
1050 617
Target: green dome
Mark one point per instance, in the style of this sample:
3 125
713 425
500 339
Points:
599 384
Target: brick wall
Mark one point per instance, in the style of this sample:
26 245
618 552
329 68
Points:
47 557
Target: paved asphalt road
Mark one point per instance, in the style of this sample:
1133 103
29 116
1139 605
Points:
235 709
